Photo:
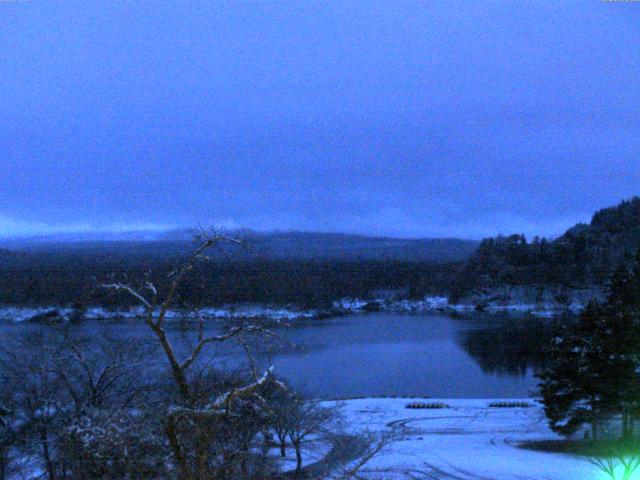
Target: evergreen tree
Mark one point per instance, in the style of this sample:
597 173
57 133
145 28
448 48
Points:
594 365
585 256
573 388
4 413
623 340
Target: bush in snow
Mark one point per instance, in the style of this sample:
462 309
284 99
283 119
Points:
114 445
426 405
509 405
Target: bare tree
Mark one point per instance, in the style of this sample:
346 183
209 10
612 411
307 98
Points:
156 309
102 371
93 406
281 405
305 420
199 415
55 377
38 395
8 437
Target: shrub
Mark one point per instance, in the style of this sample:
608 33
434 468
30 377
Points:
114 445
426 405
509 405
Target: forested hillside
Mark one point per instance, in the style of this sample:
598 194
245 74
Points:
317 268
584 256
74 274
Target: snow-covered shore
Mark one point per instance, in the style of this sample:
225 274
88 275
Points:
441 304
13 313
468 440
291 313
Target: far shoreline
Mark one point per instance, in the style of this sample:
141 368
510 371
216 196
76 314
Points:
283 313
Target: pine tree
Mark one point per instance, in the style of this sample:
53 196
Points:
623 321
594 365
572 388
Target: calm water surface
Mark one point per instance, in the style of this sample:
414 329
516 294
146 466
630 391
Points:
434 355
393 354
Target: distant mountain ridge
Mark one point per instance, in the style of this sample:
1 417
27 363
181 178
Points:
585 256
291 245
331 246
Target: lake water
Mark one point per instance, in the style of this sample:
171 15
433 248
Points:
433 355
388 354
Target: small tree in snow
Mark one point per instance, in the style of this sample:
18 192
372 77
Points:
307 420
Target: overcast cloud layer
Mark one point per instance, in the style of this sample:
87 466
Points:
395 118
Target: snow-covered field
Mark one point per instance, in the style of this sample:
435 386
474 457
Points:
468 441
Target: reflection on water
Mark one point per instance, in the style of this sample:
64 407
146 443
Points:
512 348
388 354
433 355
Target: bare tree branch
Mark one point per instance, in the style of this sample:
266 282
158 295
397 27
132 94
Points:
207 243
128 289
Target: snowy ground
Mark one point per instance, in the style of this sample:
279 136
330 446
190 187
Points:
469 441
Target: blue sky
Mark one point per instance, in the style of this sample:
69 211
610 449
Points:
390 118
